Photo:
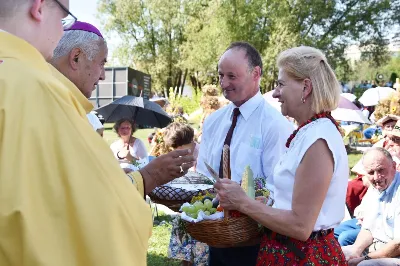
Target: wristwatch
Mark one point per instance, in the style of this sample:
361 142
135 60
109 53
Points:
366 257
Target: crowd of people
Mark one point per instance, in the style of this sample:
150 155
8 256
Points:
70 199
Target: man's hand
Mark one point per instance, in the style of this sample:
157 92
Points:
165 168
355 261
351 252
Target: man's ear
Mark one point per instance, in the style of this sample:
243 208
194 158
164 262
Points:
36 9
257 72
74 56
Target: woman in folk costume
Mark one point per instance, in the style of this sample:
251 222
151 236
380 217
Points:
310 179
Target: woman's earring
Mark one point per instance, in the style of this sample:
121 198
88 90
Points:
303 100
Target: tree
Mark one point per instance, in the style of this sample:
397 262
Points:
152 32
165 37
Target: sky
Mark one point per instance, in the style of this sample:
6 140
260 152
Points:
86 11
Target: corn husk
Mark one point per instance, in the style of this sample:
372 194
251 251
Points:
248 182
225 162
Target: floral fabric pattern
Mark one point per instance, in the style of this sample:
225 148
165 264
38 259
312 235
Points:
183 247
323 250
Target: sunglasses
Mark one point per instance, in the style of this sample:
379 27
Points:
69 20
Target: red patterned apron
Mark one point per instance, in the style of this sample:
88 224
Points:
320 249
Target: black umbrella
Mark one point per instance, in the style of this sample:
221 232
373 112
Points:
143 112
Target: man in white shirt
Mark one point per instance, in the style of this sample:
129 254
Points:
258 139
378 242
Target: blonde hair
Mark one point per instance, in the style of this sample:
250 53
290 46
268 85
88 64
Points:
307 62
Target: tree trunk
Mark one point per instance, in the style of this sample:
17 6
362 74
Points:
183 83
169 85
177 82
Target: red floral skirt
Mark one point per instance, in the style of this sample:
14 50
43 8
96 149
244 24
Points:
320 249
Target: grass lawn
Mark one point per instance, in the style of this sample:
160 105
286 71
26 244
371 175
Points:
354 157
157 254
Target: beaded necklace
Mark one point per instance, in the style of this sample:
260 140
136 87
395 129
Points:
312 119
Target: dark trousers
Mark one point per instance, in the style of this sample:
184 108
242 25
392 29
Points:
237 256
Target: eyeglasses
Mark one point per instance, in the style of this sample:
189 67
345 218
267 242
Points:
69 20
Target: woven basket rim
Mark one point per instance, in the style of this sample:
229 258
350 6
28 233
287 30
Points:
229 232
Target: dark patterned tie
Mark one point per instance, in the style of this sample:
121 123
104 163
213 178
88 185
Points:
228 138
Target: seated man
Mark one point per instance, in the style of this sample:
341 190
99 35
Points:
379 239
357 187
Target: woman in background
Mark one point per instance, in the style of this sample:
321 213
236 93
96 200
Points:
128 149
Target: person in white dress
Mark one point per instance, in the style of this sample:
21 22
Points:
310 179
128 149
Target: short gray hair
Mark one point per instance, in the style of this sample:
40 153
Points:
383 151
88 42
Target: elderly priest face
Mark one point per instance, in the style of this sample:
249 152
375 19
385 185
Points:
81 55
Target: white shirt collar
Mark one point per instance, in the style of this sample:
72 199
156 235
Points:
248 107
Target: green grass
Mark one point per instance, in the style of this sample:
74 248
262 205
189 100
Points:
157 254
353 157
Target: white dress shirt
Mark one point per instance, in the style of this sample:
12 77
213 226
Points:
258 139
383 217
332 211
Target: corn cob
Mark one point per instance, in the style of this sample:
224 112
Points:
248 182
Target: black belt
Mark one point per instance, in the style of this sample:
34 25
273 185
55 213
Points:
287 241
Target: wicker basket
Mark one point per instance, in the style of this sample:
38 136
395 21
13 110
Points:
229 232
171 197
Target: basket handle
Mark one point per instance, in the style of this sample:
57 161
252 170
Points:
226 171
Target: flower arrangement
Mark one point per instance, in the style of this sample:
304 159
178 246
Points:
388 106
210 90
160 148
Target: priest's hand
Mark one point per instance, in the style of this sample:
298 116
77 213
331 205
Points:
165 168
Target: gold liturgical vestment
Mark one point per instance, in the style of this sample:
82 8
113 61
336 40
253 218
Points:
64 200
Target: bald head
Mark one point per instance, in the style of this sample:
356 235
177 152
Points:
9 8
36 21
379 167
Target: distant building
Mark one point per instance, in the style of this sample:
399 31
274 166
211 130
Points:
121 81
